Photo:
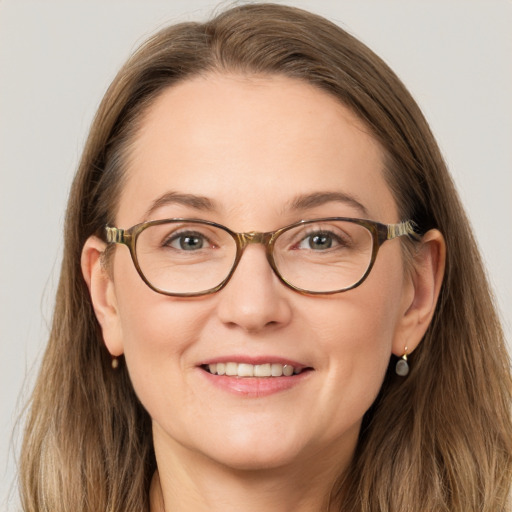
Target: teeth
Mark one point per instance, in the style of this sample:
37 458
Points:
231 369
288 370
253 370
277 370
246 370
262 370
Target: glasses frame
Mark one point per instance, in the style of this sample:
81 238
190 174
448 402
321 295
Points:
380 233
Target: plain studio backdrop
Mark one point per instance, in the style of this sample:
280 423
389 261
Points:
57 59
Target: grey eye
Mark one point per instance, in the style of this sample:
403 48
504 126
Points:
318 241
187 241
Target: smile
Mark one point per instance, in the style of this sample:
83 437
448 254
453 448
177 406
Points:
232 369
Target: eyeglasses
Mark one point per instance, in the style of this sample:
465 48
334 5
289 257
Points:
190 257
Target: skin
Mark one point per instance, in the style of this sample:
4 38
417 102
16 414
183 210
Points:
251 145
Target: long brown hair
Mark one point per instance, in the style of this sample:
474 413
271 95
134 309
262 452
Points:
439 440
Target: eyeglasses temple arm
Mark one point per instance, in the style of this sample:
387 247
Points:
402 228
114 235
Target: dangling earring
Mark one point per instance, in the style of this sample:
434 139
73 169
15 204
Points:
115 363
402 366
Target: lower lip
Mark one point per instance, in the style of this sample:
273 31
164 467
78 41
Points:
255 387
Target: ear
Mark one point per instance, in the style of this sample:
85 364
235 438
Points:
420 299
102 290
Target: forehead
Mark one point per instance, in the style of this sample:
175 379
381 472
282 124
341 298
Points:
250 145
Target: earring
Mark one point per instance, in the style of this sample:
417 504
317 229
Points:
115 363
402 366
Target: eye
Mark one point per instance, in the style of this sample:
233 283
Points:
187 241
320 241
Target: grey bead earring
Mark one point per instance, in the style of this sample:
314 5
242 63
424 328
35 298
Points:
402 366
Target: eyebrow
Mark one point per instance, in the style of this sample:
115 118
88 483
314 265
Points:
308 201
191 200
301 202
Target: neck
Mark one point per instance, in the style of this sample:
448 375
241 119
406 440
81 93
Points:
197 484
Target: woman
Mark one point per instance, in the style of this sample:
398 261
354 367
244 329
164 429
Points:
257 344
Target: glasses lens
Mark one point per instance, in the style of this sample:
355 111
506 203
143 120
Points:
324 256
185 257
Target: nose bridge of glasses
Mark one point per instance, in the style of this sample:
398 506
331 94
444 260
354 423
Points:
254 237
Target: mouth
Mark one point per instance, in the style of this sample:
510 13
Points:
246 370
255 377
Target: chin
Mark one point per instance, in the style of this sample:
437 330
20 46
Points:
255 460
279 446
251 451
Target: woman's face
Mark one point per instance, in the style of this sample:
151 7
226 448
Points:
256 154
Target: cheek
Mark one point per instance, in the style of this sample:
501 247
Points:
362 320
355 338
354 333
150 322
157 333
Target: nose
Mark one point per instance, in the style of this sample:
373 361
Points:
254 299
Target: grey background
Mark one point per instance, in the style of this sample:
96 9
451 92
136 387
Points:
57 58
